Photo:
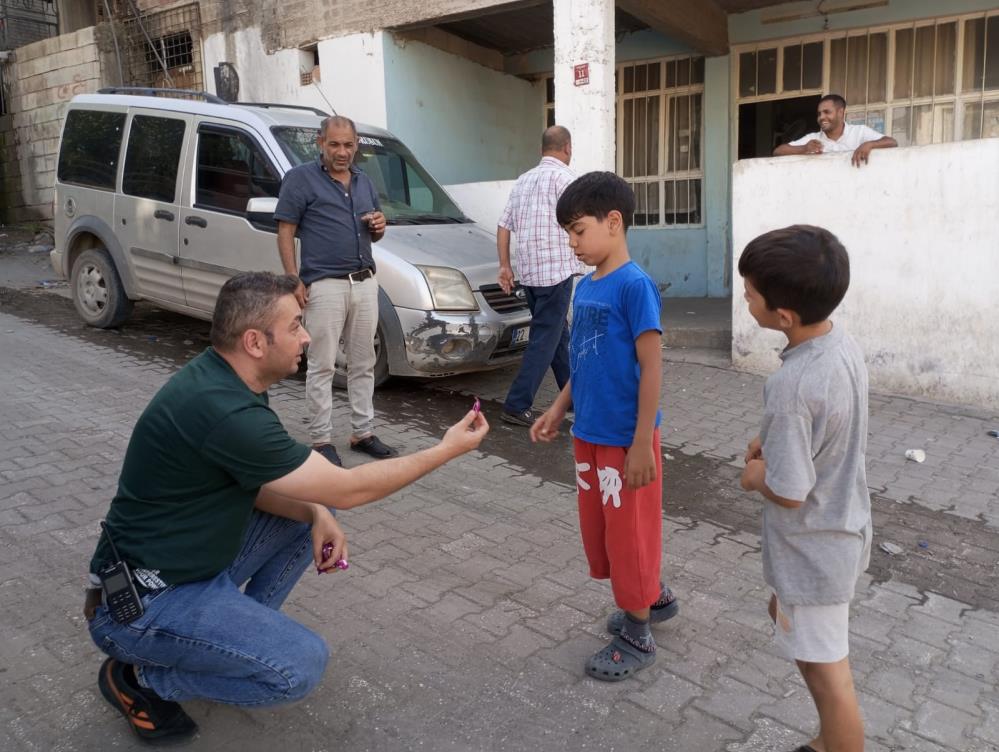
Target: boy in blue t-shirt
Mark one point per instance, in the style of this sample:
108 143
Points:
616 371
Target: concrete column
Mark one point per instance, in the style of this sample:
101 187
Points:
584 34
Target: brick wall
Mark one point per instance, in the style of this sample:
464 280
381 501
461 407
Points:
42 79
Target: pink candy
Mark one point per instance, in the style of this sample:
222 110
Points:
327 553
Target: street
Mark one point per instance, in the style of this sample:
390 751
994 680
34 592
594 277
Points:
466 614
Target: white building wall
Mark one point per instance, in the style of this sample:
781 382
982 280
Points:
352 73
584 35
483 202
919 224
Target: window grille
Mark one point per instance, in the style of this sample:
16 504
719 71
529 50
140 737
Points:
161 48
175 51
927 81
549 102
660 139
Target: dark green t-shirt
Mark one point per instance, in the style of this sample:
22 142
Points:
196 460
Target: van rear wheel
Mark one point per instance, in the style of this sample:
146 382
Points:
98 294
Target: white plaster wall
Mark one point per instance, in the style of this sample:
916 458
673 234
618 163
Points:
483 202
352 72
920 226
584 33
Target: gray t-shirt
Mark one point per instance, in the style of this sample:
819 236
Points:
814 440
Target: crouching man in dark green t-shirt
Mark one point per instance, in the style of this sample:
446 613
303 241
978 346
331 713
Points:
215 496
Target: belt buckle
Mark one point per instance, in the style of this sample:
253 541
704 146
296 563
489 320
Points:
354 280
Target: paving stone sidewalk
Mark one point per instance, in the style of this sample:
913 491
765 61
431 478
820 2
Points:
466 614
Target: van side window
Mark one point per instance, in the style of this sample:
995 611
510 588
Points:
91 141
231 170
152 157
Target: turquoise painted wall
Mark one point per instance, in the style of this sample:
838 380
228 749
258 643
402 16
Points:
691 262
465 122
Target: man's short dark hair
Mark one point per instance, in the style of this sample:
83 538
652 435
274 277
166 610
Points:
337 120
596 194
555 138
836 99
248 301
802 268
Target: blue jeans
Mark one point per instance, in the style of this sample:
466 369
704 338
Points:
209 640
547 347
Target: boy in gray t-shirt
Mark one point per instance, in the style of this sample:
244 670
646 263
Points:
808 463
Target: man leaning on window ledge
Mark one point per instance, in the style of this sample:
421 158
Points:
835 134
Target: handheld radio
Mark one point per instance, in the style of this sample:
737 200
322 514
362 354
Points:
120 596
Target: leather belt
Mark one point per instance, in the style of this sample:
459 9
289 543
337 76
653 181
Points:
358 276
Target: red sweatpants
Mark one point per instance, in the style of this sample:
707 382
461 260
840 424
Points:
622 527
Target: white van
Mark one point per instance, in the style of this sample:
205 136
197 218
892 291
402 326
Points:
163 199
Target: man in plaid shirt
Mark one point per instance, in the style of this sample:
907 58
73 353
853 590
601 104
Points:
545 267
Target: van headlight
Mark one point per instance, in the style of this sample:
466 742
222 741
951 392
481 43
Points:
449 289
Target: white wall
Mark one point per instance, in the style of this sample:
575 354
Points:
352 73
584 33
465 122
483 202
920 226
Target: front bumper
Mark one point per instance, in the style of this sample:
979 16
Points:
441 344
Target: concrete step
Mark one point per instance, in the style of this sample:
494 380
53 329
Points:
697 323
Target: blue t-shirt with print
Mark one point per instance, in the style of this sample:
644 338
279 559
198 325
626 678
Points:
608 315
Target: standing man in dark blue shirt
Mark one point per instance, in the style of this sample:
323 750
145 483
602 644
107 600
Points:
333 208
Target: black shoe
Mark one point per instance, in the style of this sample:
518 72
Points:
329 452
373 447
151 718
524 418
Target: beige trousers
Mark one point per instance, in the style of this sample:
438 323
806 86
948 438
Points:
339 312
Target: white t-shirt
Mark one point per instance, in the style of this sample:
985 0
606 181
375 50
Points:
853 136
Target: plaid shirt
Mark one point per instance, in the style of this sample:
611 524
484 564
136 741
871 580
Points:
543 254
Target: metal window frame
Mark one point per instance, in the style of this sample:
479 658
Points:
958 99
663 176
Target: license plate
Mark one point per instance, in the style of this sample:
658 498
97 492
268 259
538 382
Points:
520 335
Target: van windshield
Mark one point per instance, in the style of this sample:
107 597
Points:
407 193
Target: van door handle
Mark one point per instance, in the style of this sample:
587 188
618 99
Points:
163 214
198 221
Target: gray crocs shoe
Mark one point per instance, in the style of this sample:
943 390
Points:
656 615
618 661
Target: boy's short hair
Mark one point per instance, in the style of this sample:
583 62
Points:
802 268
596 194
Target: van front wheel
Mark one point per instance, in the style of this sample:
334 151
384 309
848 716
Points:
98 294
381 363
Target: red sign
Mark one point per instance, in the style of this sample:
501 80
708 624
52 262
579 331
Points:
581 74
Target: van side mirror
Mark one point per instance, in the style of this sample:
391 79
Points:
260 213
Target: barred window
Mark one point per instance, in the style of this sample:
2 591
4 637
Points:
922 82
660 122
174 50
549 102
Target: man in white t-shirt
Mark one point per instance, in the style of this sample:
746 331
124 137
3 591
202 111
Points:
835 134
